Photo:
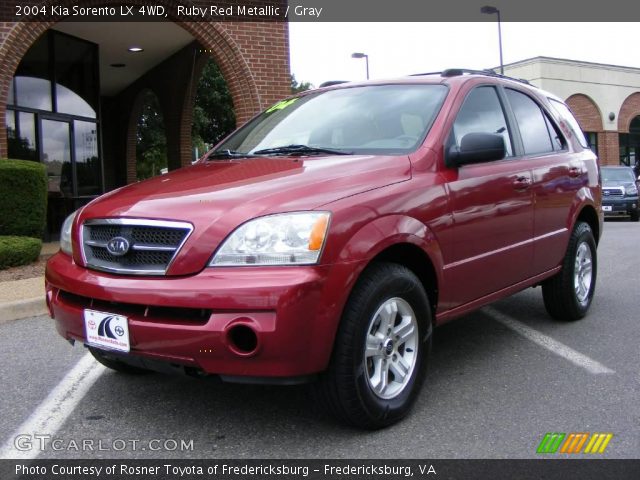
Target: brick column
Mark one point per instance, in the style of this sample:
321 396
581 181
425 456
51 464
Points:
609 148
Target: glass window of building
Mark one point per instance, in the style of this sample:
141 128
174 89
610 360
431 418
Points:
52 117
32 81
76 76
592 141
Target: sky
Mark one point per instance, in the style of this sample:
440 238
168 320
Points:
322 51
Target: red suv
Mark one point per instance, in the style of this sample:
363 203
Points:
326 238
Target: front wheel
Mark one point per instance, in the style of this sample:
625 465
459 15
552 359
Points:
634 216
381 349
568 294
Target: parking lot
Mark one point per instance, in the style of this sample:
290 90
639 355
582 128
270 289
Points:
499 379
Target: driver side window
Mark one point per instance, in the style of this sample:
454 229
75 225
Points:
481 112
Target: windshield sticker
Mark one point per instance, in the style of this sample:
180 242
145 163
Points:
281 105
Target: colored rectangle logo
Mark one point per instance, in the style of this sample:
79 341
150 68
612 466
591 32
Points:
574 442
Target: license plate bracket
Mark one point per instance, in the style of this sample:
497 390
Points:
106 330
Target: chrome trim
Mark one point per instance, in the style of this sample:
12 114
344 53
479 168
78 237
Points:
613 191
129 271
504 249
134 222
93 243
137 246
151 248
137 222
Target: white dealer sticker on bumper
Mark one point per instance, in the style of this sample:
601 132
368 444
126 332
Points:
106 330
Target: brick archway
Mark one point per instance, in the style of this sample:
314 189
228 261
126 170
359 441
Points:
629 110
221 40
586 112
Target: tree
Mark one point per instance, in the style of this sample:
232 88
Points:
297 87
151 146
213 115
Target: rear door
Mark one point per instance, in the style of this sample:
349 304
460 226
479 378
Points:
491 204
557 177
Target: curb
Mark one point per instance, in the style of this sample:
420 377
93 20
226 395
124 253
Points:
31 307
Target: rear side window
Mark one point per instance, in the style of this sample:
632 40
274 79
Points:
563 111
556 137
532 124
482 113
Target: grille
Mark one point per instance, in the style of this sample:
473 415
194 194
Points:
149 245
613 192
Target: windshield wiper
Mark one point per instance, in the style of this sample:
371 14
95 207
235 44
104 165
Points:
300 150
228 154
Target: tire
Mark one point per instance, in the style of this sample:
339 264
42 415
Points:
110 362
568 294
634 215
387 296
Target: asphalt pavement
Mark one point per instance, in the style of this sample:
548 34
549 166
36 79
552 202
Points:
499 379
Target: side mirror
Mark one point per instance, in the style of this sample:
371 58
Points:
477 148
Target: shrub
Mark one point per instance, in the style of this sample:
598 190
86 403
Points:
23 198
15 251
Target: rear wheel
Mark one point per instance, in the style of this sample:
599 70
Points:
381 349
568 294
114 364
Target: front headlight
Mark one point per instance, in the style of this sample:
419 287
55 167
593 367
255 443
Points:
65 234
282 239
631 190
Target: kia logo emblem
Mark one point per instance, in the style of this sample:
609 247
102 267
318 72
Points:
118 246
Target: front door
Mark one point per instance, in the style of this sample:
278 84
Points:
492 208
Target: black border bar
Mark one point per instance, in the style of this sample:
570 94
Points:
318 10
355 469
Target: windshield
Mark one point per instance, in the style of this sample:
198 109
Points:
617 175
383 119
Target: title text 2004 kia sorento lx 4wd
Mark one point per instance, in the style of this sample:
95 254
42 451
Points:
326 238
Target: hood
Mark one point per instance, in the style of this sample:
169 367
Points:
217 196
617 183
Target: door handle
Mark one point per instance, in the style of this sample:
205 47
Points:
522 183
575 171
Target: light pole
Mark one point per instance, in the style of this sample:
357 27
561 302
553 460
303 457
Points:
489 10
366 58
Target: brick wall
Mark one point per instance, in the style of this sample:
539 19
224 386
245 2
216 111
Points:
609 148
590 119
629 110
586 112
253 56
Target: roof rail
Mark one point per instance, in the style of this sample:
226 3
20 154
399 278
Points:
456 72
332 82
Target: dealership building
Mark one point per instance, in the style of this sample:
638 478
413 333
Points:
71 92
604 98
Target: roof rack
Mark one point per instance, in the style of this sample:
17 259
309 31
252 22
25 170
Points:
456 72
329 83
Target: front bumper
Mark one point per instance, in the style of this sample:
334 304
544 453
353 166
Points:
188 321
619 206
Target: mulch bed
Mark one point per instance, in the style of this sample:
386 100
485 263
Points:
32 270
